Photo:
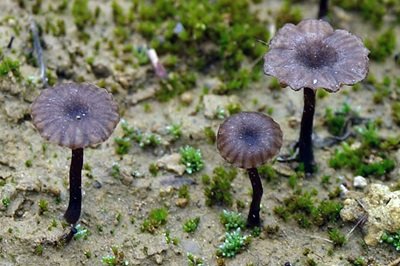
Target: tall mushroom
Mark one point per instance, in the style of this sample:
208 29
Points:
248 140
312 55
75 116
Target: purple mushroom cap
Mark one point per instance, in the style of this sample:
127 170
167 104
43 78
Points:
75 115
249 139
314 55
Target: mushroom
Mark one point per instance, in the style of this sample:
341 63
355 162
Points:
312 55
248 140
75 116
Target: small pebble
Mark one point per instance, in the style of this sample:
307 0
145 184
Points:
360 182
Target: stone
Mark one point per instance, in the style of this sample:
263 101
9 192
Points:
181 202
360 182
380 206
100 70
171 162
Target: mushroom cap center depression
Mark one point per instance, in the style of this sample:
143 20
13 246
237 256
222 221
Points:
316 54
249 136
76 111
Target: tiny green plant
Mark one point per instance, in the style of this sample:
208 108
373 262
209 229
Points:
233 244
116 259
392 239
156 218
337 237
192 159
232 220
175 130
6 202
191 225
169 239
81 232
43 206
194 260
218 188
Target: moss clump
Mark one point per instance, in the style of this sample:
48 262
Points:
371 10
175 84
336 121
223 32
368 159
396 112
210 135
232 220
383 46
131 135
81 13
218 189
305 209
392 239
234 243
338 238
191 225
8 65
192 159
156 218
288 14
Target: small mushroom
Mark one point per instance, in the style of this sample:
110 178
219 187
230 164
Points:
75 116
248 140
312 55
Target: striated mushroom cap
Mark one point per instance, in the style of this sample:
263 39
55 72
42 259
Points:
249 139
313 55
75 115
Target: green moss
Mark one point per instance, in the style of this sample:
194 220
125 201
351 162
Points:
116 259
6 202
81 13
43 206
153 169
338 238
336 121
191 225
156 218
396 112
392 239
358 159
218 188
192 159
304 208
288 14
193 260
210 135
175 130
383 46
233 108
183 192
175 84
8 65
234 243
28 163
232 220
372 11
268 173
223 32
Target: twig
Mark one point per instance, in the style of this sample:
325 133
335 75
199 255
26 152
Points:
360 221
321 238
39 52
158 67
10 43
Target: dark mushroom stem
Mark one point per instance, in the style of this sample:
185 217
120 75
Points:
306 155
323 9
253 219
75 184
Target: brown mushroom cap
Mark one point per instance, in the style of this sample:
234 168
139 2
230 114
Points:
249 139
313 55
75 115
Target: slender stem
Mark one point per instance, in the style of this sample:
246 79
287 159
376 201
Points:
323 9
75 184
306 155
254 214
